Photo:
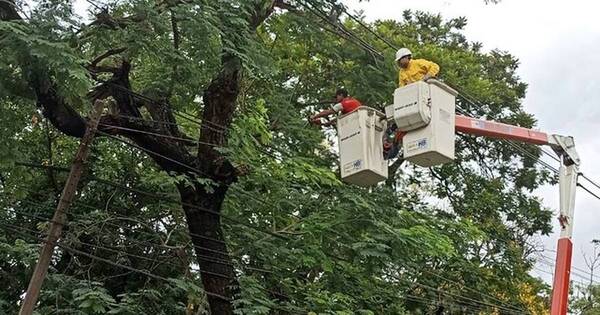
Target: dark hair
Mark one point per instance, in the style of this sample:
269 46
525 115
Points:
342 92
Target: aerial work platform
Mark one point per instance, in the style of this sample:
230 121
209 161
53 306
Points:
425 116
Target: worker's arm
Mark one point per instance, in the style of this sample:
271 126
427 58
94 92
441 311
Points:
401 82
332 122
431 68
323 113
316 119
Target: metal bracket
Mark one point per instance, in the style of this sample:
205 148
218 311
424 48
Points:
564 146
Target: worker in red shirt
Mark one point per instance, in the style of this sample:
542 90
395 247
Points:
345 105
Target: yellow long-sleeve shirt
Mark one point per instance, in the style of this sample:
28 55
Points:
416 70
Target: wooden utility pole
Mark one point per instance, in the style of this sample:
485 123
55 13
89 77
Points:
56 225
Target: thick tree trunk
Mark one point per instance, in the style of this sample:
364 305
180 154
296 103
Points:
204 225
172 156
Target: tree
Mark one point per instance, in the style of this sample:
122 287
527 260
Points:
296 239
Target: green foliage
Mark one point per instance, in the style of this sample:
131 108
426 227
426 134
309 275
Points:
463 229
586 301
92 299
24 44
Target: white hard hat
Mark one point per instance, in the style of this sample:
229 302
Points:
401 53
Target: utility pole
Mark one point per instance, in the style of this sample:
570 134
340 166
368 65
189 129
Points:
58 220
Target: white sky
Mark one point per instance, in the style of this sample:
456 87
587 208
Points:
558 45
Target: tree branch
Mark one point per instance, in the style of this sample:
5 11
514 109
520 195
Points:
176 41
220 99
107 54
392 169
8 10
285 6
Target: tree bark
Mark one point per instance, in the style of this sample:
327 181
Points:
202 206
218 277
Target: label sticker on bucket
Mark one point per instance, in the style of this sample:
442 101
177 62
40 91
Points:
420 144
353 166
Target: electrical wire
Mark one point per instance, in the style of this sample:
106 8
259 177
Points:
185 204
118 251
589 180
572 273
193 169
20 230
215 260
546 166
257 199
465 95
459 296
417 270
323 16
155 153
588 191
97 258
160 135
439 303
366 27
338 258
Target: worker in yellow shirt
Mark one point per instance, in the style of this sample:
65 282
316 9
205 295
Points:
410 71
413 70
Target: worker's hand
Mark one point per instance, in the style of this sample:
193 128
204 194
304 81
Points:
315 121
426 77
329 123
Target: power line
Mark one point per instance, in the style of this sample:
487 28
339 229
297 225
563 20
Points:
151 152
416 270
21 229
109 249
95 257
366 27
344 244
517 146
323 16
469 99
181 114
162 197
188 140
525 152
340 258
589 180
193 169
465 95
321 12
116 225
581 273
107 261
588 191
439 302
370 48
226 254
446 292
253 197
438 276
153 260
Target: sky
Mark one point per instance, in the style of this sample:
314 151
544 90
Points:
558 46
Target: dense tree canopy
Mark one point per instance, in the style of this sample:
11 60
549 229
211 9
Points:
207 180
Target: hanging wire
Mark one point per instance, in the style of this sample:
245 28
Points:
341 259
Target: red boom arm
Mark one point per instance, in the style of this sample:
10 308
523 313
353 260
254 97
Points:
498 130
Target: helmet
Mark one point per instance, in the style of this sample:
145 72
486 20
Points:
401 53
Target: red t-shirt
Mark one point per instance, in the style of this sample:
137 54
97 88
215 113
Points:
349 104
